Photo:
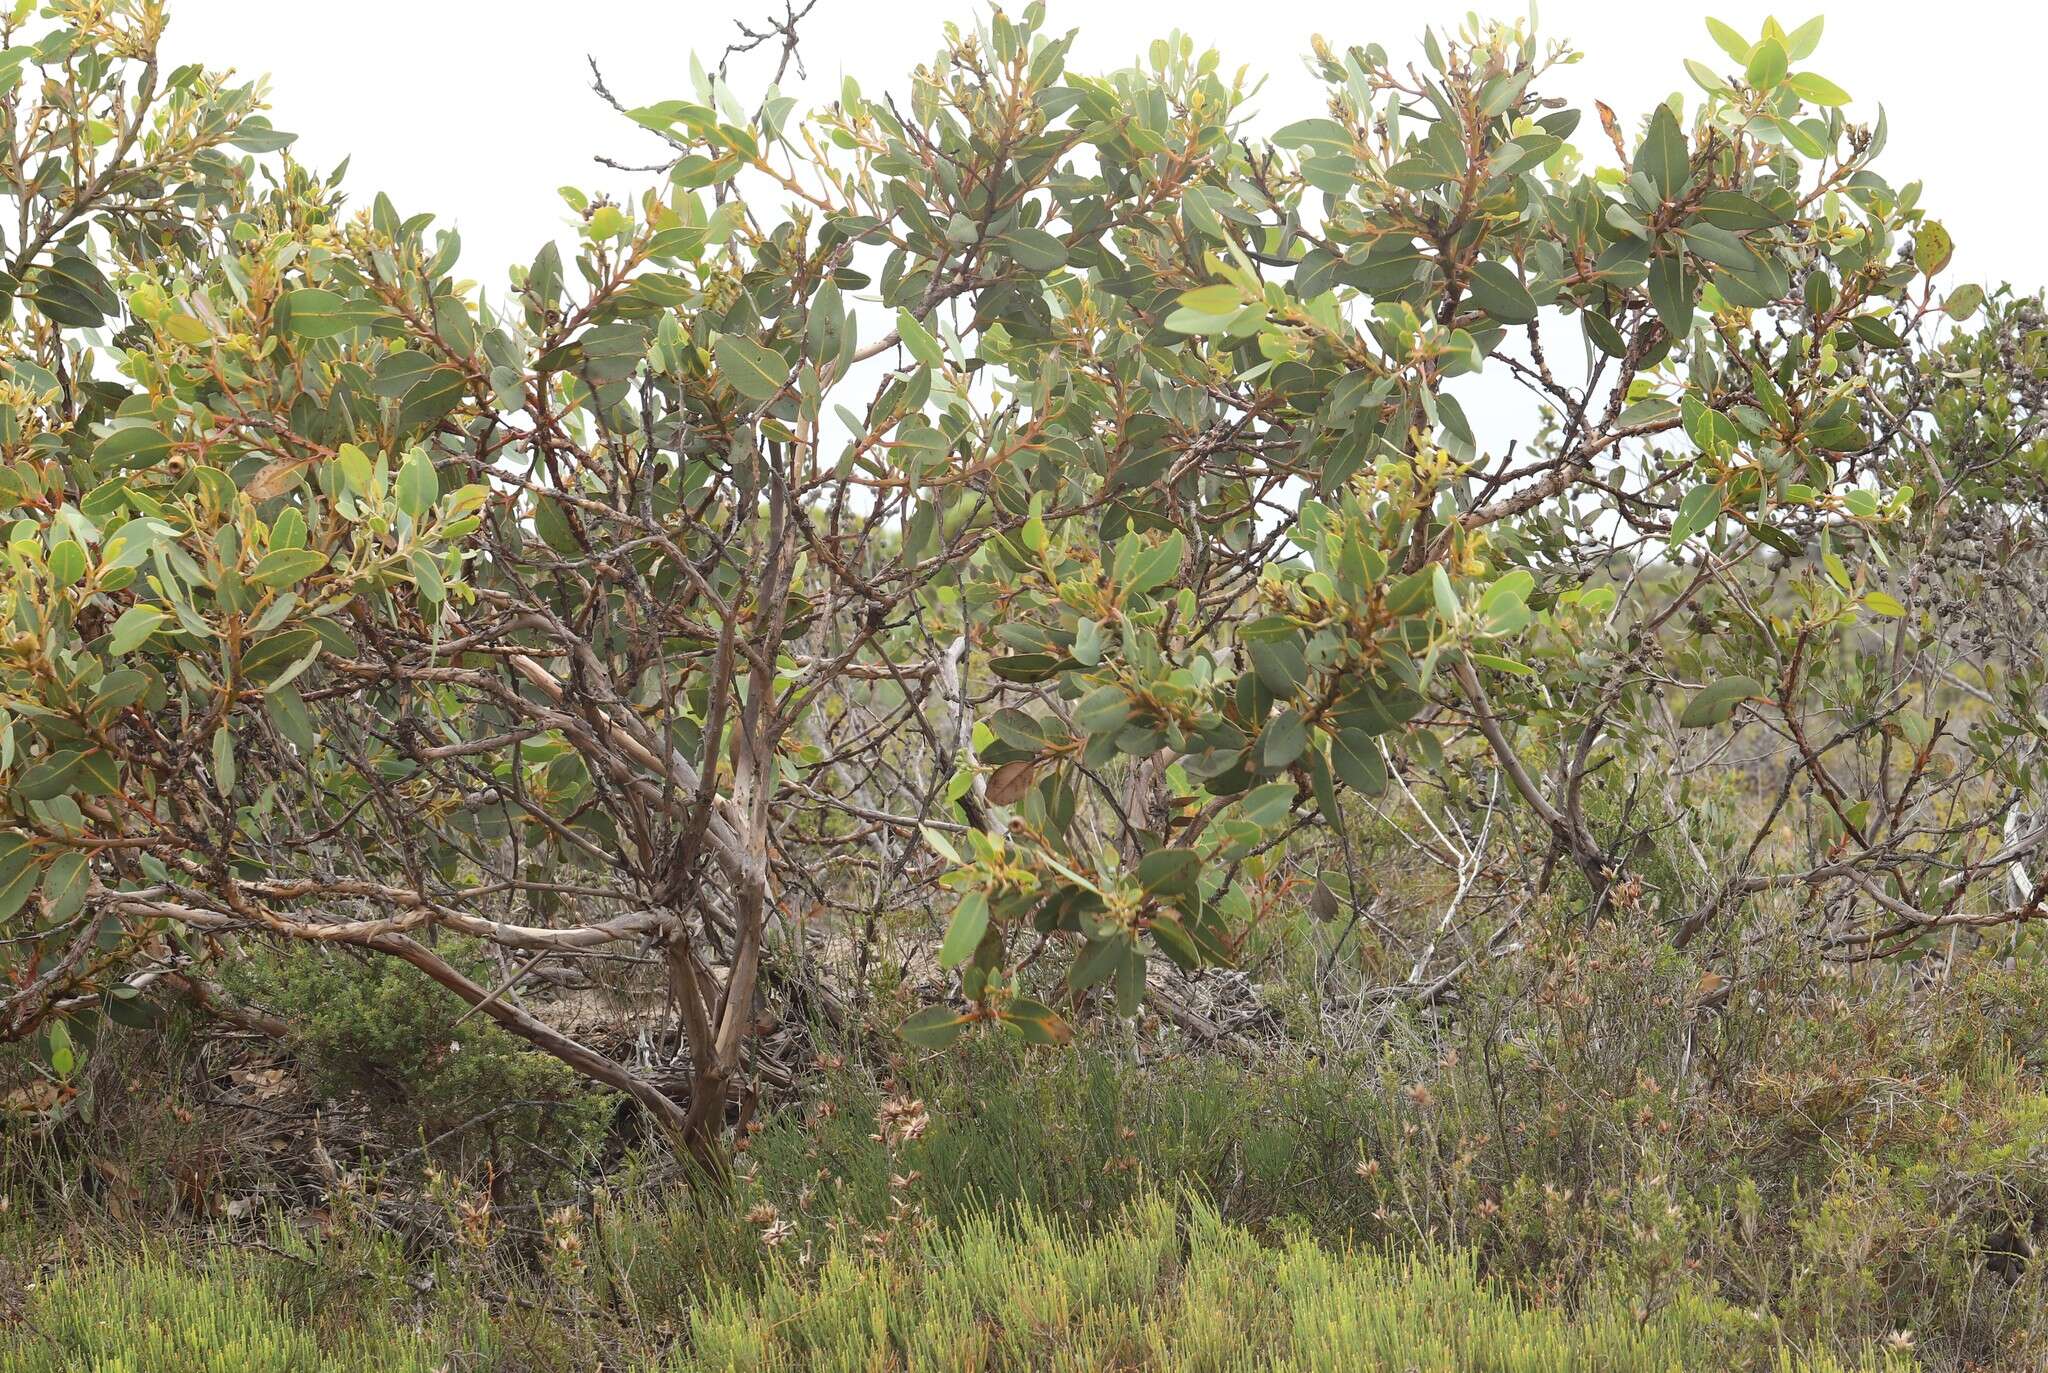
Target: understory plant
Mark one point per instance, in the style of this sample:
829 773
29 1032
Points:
1051 495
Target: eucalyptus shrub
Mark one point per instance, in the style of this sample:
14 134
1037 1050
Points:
1043 487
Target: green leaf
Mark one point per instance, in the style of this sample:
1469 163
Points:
63 1057
1695 512
1355 758
1347 393
1447 606
67 563
1130 980
1036 1021
134 628
354 465
1735 211
312 313
132 447
1505 604
131 1010
289 529
1033 249
1028 667
1268 805
1800 43
1500 664
117 691
65 884
18 878
963 934
551 522
935 1027
254 135
1103 710
70 289
1324 783
436 393
1964 301
287 710
427 576
419 486
1156 565
224 760
1731 42
1705 76
49 777
1325 135
1170 872
1672 289
1497 290
1279 664
287 566
1221 299
1883 604
266 657
1767 64
97 774
1096 961
755 372
1711 431
1664 156
1088 642
16 853
918 340
1282 741
1715 702
1809 136
1603 334
1817 90
940 845
1186 321
399 372
1721 247
1876 332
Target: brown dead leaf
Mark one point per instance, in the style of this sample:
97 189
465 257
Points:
275 479
1322 902
1613 127
37 1098
1007 785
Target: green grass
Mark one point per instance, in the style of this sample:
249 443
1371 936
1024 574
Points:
155 1313
1190 1292
1153 1287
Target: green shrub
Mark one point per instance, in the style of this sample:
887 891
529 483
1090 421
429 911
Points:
1859 1168
469 1094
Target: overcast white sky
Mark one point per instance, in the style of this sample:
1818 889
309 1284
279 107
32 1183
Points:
478 109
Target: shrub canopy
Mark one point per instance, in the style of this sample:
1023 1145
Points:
1050 488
